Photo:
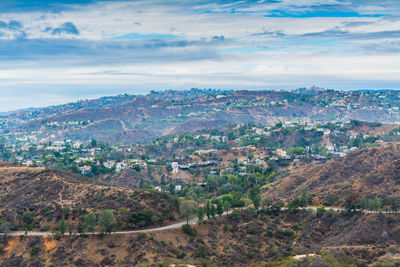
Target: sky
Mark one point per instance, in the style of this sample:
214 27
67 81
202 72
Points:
57 51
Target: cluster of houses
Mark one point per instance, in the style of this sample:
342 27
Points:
175 166
119 166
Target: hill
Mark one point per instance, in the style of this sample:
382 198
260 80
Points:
372 172
130 118
38 198
241 239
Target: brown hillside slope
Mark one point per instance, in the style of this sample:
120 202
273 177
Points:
51 195
241 239
371 172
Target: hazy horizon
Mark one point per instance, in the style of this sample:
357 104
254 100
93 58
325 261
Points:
184 89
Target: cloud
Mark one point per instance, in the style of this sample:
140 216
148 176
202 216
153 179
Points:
389 48
354 24
75 52
96 47
12 29
318 14
66 28
11 25
138 36
277 33
344 34
218 38
40 5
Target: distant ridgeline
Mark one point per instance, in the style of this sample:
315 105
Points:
141 118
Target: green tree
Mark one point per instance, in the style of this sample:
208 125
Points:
107 221
304 199
27 217
246 202
227 197
208 210
220 209
394 206
63 226
200 214
93 143
294 205
187 208
213 211
364 203
254 195
375 204
89 221
352 201
227 206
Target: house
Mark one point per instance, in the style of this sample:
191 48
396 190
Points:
258 162
121 166
158 188
330 148
280 152
109 164
28 162
175 167
338 154
184 167
178 187
85 170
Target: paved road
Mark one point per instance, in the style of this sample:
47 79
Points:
167 227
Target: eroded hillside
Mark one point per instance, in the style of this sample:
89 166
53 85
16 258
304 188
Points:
241 239
372 172
45 196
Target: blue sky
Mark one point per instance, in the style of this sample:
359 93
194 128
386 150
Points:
52 52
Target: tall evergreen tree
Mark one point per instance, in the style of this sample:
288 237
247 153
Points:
208 210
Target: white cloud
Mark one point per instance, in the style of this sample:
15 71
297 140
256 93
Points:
88 63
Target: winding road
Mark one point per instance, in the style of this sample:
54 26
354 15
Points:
171 226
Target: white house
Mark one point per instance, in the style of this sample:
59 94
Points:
175 167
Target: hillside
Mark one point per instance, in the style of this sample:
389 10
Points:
241 239
38 198
372 172
130 118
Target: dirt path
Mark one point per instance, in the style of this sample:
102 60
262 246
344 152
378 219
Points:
168 227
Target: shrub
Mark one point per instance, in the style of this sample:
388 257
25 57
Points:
189 230
143 218
34 250
283 233
27 217
331 201
251 230
320 211
201 252
270 233
390 220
